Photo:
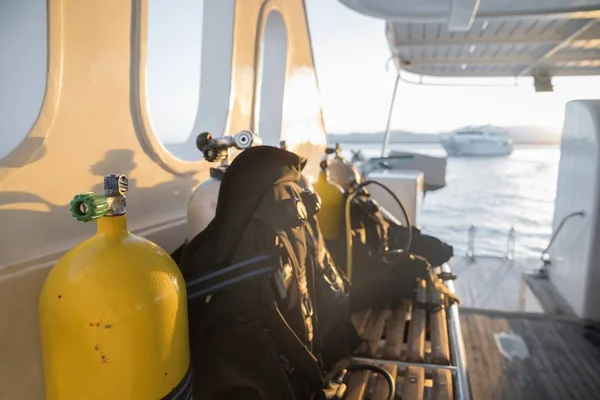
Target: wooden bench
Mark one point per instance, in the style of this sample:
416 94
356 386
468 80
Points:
416 340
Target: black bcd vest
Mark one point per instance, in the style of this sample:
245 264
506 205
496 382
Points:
268 310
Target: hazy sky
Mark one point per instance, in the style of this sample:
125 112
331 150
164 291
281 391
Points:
350 52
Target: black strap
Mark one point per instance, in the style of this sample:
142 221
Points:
235 274
428 306
185 388
217 173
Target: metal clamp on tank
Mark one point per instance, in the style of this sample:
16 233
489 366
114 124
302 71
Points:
218 149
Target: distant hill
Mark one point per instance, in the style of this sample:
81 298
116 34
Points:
377 137
519 135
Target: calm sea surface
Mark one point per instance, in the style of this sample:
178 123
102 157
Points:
494 194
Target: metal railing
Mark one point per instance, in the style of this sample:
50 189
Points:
545 256
510 242
463 390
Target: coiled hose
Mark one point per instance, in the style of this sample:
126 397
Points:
386 375
347 215
337 388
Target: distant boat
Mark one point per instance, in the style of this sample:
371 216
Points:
480 141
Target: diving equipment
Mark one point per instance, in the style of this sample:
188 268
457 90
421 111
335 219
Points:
332 199
304 181
260 327
113 312
382 257
202 205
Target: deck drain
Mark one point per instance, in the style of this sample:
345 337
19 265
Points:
511 345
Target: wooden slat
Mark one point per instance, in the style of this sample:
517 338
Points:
374 335
359 320
394 338
414 382
442 385
381 385
415 346
357 384
440 351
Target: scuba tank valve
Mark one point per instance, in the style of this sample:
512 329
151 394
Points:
218 149
202 206
341 171
113 312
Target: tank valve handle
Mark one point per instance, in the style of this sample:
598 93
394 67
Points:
88 206
336 151
324 165
217 149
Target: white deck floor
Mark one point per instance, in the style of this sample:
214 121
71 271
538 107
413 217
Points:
494 283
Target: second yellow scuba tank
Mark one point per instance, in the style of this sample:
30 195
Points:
113 312
331 215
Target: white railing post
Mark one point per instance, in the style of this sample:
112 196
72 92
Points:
471 243
510 245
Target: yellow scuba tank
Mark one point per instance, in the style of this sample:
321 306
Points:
113 312
331 215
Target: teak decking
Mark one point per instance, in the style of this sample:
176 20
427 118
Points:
559 362
406 334
509 354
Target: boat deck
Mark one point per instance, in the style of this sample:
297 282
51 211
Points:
529 356
495 283
517 344
413 345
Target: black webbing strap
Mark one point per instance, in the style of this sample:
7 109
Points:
235 274
185 388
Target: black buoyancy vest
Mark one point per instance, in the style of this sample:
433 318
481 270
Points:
265 335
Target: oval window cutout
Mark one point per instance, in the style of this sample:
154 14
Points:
23 65
188 64
272 79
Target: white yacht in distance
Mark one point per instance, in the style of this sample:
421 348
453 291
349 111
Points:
484 141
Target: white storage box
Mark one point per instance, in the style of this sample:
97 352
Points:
407 185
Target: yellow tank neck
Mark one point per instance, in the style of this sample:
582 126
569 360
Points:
115 226
323 176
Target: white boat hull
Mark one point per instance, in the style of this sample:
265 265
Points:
478 149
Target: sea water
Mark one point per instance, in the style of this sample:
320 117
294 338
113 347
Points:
493 194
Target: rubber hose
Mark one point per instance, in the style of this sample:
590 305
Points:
348 224
386 375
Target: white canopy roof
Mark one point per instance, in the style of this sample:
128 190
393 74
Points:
459 38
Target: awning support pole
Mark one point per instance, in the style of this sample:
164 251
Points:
386 138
